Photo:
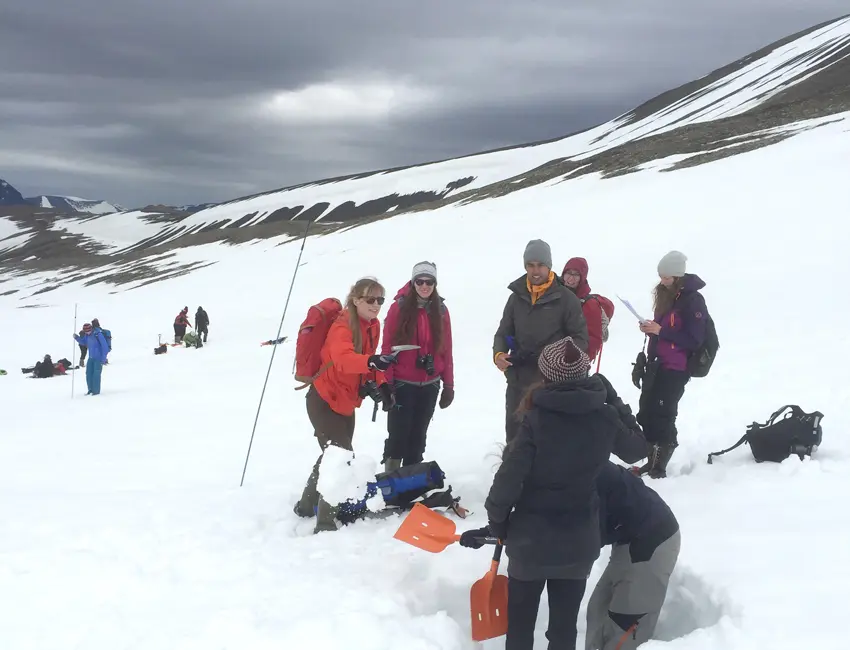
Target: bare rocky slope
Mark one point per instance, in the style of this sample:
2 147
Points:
812 84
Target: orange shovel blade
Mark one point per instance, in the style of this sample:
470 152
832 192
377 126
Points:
427 530
488 599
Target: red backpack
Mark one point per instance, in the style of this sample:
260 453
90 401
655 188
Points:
311 338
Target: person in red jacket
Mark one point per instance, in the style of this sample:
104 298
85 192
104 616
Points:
353 368
592 305
418 316
180 324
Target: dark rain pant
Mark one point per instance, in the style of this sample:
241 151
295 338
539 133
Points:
624 607
203 330
408 422
523 602
83 352
659 405
330 428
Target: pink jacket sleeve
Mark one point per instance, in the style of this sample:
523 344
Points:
390 324
448 359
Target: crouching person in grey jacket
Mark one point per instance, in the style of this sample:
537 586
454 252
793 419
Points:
623 610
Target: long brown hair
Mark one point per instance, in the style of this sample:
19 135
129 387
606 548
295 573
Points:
408 317
527 401
361 289
665 297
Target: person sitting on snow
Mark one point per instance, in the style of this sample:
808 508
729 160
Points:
45 368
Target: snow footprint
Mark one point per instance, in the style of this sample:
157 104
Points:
691 604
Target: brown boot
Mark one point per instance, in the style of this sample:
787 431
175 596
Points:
662 457
325 517
392 464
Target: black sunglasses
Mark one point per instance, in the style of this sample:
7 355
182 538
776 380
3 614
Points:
371 300
420 281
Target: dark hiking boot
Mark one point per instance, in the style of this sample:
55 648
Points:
662 457
325 518
651 452
302 513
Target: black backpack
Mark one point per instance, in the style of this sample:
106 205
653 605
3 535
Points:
699 362
797 433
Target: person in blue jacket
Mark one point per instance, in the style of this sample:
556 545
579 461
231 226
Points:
106 335
95 341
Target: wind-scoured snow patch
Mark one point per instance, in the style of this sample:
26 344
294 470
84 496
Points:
12 236
115 231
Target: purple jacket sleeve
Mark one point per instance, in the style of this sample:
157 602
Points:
692 333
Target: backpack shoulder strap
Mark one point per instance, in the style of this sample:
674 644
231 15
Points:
743 439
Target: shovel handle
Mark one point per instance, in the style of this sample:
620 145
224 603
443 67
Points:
497 554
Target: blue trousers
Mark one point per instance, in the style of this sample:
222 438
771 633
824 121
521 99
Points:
93 370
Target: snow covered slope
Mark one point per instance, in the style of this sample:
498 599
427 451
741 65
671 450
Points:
122 516
745 88
74 204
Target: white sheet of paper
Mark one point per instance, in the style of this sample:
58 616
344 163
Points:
631 309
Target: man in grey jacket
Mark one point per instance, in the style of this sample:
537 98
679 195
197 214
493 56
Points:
539 311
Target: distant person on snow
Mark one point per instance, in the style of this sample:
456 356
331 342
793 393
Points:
349 361
107 335
540 310
598 310
180 324
83 349
678 329
543 503
418 316
624 607
95 341
45 368
202 322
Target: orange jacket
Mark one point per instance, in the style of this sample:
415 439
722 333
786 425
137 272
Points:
340 384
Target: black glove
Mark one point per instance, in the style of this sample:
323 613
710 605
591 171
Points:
381 362
447 397
474 538
387 396
499 530
639 369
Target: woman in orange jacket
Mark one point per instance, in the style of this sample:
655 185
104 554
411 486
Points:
354 370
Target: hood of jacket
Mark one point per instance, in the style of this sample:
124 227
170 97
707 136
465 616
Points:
692 282
572 397
578 264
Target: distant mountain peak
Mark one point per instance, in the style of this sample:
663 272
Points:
9 195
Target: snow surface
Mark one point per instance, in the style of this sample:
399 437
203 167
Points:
11 235
45 202
123 525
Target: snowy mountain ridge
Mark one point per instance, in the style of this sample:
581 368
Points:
799 83
74 204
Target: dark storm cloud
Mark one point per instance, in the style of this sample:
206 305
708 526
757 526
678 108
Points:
155 101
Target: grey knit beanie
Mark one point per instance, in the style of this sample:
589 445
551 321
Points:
424 268
538 250
672 265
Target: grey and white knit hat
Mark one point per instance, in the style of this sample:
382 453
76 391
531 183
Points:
672 265
563 361
424 269
538 250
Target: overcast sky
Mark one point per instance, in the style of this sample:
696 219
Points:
148 101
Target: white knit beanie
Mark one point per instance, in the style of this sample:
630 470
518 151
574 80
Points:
424 268
672 265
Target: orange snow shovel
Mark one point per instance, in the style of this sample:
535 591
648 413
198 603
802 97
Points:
426 529
488 600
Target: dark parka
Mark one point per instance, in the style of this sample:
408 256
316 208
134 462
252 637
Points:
546 486
630 512
555 315
202 320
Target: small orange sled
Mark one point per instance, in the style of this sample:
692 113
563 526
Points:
488 601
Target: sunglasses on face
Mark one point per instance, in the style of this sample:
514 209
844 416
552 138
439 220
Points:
426 281
371 300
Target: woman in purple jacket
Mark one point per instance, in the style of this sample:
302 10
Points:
676 331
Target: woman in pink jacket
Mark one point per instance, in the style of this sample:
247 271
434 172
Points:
418 316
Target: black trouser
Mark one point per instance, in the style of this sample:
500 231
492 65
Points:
203 330
408 421
659 405
179 332
523 602
83 352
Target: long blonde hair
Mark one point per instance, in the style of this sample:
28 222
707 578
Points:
361 289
